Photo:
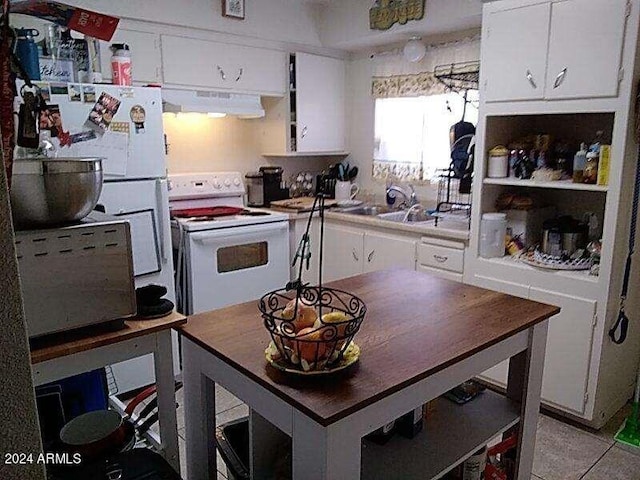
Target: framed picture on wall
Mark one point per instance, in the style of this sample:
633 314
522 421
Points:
233 9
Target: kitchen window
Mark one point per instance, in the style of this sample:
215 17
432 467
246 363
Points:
412 134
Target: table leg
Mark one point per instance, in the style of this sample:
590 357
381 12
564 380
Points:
199 416
324 453
163 360
525 384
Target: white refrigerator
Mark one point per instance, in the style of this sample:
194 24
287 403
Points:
124 126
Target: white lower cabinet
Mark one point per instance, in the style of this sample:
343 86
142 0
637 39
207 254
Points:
350 251
297 229
383 251
343 252
569 342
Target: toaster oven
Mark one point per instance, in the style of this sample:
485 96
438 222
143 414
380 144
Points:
76 276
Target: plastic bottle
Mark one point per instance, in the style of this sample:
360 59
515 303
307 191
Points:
591 168
579 162
595 145
27 51
121 64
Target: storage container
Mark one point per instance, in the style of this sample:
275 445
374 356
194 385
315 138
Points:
493 229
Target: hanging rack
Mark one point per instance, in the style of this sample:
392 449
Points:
459 77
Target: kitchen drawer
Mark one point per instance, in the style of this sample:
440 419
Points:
441 257
438 272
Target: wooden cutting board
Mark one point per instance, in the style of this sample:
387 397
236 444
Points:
302 204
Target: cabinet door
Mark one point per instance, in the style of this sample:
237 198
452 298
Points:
342 252
514 52
320 85
585 48
146 61
386 251
300 226
566 368
257 70
192 62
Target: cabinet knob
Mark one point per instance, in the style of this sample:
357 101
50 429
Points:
222 74
355 255
304 132
531 79
560 78
240 72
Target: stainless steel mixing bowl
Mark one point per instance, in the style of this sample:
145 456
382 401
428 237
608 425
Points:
54 191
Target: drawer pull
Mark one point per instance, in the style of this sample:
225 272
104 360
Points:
440 258
240 72
370 256
560 78
304 132
355 256
222 74
531 80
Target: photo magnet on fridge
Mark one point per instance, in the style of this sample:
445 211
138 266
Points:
102 113
138 116
45 90
58 88
89 93
75 92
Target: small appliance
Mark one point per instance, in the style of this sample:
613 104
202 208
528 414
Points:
273 184
76 276
255 189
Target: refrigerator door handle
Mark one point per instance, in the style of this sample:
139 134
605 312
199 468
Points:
163 214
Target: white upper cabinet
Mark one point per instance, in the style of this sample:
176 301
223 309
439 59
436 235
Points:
201 63
320 100
146 61
585 48
516 53
552 50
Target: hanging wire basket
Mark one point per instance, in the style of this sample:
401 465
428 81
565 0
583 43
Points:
312 327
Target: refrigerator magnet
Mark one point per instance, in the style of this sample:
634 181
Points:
138 116
75 92
102 113
120 127
89 93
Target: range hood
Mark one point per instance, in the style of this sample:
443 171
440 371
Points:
186 101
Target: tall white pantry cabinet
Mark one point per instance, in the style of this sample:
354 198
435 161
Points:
567 68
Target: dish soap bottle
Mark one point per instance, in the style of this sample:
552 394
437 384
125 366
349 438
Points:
579 164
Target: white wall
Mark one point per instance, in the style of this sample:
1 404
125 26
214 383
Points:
277 20
201 144
345 24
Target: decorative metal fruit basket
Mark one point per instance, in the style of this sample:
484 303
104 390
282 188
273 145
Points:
311 326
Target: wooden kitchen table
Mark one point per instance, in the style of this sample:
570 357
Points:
421 337
62 356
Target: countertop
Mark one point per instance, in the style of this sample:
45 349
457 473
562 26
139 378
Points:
416 325
427 229
68 343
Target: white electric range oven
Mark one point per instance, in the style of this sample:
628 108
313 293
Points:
224 253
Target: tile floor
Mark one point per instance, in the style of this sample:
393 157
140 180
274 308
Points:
563 451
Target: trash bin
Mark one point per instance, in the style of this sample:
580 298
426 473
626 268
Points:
232 441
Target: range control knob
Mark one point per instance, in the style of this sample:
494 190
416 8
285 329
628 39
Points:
227 183
236 182
217 185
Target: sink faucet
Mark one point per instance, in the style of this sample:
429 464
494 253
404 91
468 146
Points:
409 200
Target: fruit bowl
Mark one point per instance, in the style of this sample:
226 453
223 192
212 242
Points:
312 328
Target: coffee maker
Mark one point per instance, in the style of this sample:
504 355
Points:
273 185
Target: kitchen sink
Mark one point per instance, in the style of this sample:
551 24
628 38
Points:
415 216
367 210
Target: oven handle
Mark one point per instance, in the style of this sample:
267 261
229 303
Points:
162 195
215 235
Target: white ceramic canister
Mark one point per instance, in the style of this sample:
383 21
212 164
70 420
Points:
493 229
498 163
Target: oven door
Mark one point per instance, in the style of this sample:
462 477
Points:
236 265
